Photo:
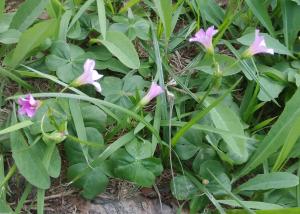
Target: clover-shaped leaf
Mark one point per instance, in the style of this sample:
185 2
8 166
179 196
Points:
118 90
67 60
142 172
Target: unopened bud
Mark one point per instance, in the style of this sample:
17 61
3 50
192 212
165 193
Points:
205 182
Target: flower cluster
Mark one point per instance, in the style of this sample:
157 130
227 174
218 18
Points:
29 106
205 38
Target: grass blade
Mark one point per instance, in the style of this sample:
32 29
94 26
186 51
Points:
200 115
259 9
102 17
284 132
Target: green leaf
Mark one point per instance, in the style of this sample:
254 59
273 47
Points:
182 188
66 60
16 127
219 172
10 37
31 39
260 10
274 211
251 204
93 183
227 65
142 172
79 125
226 119
27 161
285 130
93 116
139 150
164 10
118 91
5 21
27 14
189 144
128 5
270 42
290 17
273 180
102 17
82 9
273 88
52 160
211 11
121 47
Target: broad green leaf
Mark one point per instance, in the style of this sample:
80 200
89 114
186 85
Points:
5 21
16 127
31 39
27 14
227 65
260 10
182 188
219 172
119 91
164 10
133 27
273 180
93 183
121 47
67 60
28 162
226 119
93 116
285 130
189 144
273 88
141 171
139 149
52 160
10 37
290 17
270 42
251 204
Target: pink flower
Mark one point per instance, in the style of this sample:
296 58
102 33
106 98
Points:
258 46
153 92
205 38
28 105
89 76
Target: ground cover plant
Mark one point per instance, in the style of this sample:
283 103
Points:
206 89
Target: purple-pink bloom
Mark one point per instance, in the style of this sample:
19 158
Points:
205 37
89 76
258 46
153 92
28 105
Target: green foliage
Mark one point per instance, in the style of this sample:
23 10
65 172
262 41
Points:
225 127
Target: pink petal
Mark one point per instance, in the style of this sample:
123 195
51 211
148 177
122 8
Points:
200 33
96 75
97 86
89 65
